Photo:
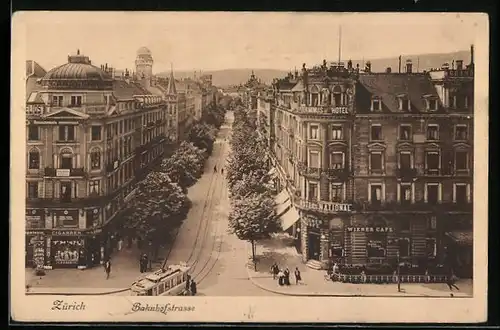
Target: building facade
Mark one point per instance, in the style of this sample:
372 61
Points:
90 138
375 166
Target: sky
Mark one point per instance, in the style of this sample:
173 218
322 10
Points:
222 40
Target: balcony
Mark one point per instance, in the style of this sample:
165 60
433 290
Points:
64 172
420 206
309 171
406 174
112 166
342 174
322 206
66 202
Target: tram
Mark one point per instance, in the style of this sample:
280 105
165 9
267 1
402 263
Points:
164 282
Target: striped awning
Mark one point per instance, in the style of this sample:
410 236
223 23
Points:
281 197
281 208
289 218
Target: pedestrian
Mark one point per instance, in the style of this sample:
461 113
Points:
335 270
450 281
120 244
107 268
274 270
193 288
298 278
287 276
142 264
281 276
188 283
222 171
215 169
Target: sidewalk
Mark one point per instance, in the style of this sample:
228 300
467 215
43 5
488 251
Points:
281 251
92 281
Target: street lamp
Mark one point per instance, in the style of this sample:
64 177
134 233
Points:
398 274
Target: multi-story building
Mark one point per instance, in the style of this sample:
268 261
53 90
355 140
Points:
375 166
90 138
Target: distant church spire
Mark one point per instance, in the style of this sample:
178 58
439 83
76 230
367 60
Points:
171 82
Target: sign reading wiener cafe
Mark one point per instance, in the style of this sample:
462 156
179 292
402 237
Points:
370 229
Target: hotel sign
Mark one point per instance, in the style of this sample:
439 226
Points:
340 207
370 229
340 111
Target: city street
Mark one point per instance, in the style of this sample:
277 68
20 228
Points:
218 259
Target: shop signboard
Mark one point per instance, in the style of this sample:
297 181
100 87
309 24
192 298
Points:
370 229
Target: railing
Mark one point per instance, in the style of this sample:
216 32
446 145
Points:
90 200
340 173
64 172
386 279
113 165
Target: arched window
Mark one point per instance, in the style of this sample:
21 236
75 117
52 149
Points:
314 96
34 159
66 159
95 159
337 96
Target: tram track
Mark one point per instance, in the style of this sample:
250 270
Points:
213 198
205 216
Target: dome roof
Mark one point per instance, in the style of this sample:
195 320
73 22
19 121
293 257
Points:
78 67
143 51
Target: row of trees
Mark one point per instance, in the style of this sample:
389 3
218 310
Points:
252 217
160 203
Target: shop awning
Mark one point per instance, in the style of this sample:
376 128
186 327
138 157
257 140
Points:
289 218
281 208
464 237
281 197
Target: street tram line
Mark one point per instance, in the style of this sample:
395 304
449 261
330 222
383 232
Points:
218 237
205 206
209 203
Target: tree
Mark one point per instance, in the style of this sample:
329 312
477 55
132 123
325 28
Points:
254 182
203 135
254 218
244 160
159 205
186 165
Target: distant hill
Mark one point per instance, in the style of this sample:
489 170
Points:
228 77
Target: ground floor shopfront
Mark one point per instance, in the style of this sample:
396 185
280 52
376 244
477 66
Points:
73 238
364 238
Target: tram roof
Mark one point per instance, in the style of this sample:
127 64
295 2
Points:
154 278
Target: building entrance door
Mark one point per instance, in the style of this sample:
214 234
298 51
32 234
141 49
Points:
314 245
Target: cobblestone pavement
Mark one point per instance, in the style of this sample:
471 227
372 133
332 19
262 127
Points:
280 250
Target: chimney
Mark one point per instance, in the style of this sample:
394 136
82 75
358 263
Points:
409 66
472 54
399 68
445 66
388 70
368 67
460 65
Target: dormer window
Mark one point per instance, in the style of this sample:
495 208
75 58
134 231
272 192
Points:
431 102
404 103
376 104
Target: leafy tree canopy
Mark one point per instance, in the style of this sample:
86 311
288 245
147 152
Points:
185 166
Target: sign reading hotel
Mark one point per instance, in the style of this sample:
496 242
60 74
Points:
370 229
340 110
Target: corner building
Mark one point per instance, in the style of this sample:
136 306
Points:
90 139
375 166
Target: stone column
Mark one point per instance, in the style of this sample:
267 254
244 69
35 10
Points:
325 164
304 242
324 242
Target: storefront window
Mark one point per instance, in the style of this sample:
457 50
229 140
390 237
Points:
376 246
404 247
430 247
66 251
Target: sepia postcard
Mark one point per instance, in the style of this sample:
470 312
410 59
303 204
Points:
249 167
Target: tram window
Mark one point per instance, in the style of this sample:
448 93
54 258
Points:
167 284
155 291
149 292
161 288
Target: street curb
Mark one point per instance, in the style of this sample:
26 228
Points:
75 294
305 294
